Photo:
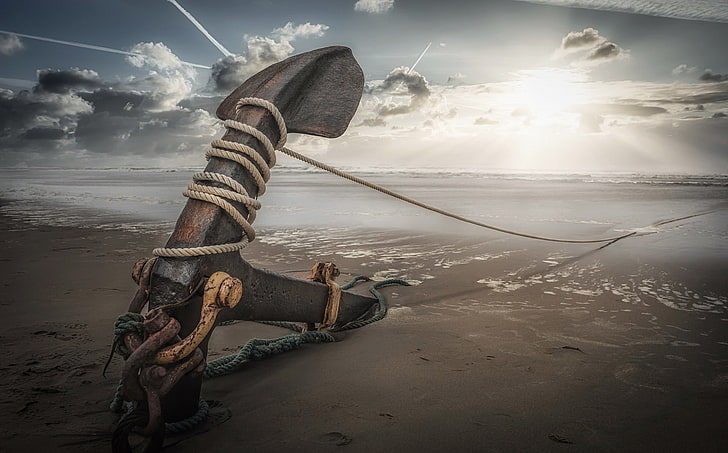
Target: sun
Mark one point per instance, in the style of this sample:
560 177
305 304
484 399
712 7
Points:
542 93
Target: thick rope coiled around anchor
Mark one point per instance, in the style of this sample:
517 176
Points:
251 160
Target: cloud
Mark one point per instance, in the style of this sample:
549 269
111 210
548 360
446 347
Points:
620 109
10 44
605 51
290 31
483 121
27 110
709 76
74 113
416 86
456 79
374 6
229 72
705 10
683 69
155 55
372 122
598 49
589 37
63 81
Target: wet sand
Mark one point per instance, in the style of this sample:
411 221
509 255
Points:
529 347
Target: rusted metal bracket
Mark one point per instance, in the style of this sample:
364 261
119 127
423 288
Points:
161 359
317 93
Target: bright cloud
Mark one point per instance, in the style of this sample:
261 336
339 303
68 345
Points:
589 37
156 55
374 6
291 31
229 72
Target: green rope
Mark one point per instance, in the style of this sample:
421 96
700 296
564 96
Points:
381 310
254 349
284 324
188 423
354 281
258 349
125 324
117 404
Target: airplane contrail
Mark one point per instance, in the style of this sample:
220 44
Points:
419 58
199 26
92 47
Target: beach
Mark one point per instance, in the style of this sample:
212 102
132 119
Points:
500 344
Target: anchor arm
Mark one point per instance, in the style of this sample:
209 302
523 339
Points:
271 296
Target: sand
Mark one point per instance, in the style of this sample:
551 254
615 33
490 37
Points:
466 360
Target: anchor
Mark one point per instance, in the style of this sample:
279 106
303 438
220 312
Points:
314 93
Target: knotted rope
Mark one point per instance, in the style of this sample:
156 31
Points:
251 160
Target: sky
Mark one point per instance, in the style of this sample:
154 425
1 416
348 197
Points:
501 85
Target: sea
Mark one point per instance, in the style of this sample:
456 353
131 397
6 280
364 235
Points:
680 221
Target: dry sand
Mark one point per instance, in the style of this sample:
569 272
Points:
456 365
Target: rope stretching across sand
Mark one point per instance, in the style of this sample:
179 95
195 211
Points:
252 161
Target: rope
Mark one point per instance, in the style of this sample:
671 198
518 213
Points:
190 422
381 310
119 406
409 200
259 169
258 349
254 349
251 160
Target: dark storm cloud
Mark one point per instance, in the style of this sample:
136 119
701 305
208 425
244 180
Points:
26 110
229 72
63 81
158 134
74 111
709 76
44 133
605 51
109 100
10 44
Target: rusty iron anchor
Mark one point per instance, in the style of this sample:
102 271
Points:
317 93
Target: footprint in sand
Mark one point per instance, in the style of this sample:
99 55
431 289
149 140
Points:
335 438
